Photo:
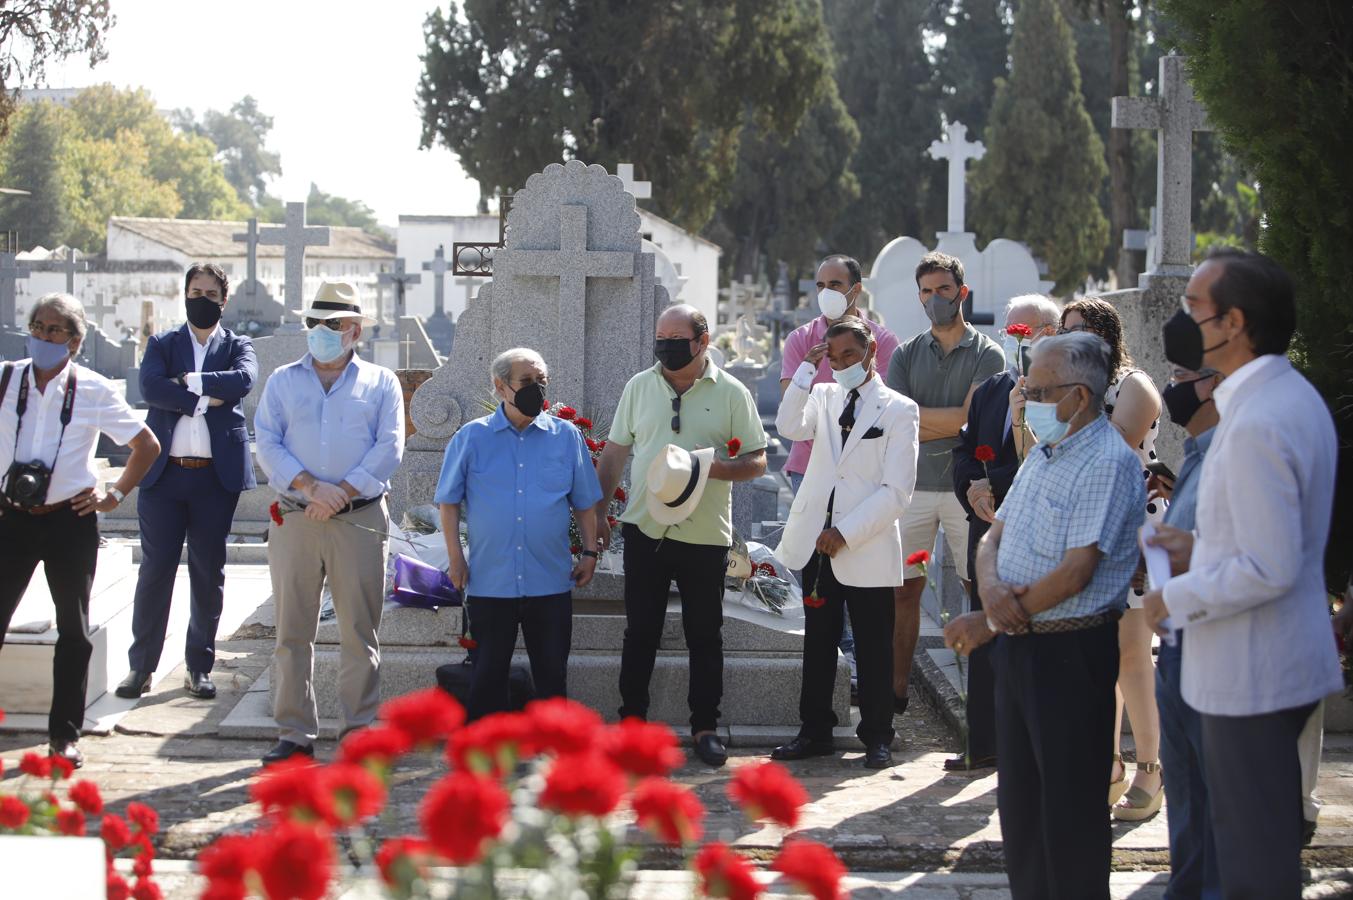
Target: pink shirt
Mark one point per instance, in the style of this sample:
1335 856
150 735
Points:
805 338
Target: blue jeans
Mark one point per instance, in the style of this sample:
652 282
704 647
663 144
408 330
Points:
847 642
1193 854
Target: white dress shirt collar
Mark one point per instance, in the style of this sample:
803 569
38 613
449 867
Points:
1225 392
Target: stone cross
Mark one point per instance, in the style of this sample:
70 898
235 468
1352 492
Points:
400 280
250 240
1174 115
295 236
572 264
407 345
438 267
469 285
741 298
99 308
70 267
957 149
640 190
10 271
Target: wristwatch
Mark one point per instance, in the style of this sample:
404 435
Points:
118 494
592 553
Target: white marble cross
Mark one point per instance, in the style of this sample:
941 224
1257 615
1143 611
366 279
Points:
957 149
1174 115
10 271
438 266
400 279
295 236
640 190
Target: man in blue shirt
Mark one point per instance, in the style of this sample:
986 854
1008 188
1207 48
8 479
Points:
1053 572
330 433
519 472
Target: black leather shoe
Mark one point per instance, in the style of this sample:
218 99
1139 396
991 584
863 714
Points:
900 704
877 756
711 750
802 748
67 750
962 763
286 750
134 685
199 685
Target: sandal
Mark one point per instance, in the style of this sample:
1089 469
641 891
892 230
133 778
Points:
1119 787
1136 805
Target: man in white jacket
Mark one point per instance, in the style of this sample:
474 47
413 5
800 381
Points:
843 532
1258 649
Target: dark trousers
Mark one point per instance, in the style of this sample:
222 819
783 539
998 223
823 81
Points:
981 676
1054 736
1253 776
1193 853
183 503
699 569
871 609
68 547
546 624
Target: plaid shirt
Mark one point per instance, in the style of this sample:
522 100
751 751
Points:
1088 489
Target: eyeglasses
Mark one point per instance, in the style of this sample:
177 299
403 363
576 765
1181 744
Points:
51 333
676 418
1036 395
1062 329
331 324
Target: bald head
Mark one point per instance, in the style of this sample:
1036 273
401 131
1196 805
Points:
682 320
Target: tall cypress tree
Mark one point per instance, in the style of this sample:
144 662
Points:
976 39
31 161
1044 168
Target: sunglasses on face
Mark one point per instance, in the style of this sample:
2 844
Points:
331 324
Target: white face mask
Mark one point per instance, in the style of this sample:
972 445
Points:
833 304
851 377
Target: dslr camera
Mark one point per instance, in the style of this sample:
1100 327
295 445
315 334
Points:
26 484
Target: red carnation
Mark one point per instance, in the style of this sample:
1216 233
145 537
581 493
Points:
583 784
642 748
357 794
563 726
61 767
85 794
293 787
544 404
143 866
725 874
402 860
70 822
813 601
813 867
492 745
592 445
670 811
378 745
13 812
566 413
468 642
612 521
461 813
143 817
766 790
295 861
146 890
621 495
984 454
1019 331
227 861
116 887
734 445
35 765
275 512
426 716
584 423
919 558
115 832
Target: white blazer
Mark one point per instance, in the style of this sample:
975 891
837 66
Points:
873 476
1256 626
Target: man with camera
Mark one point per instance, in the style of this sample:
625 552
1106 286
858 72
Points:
51 413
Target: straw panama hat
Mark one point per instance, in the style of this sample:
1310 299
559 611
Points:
336 299
676 482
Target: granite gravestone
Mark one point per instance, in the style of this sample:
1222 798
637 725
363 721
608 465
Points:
295 236
252 310
440 329
399 279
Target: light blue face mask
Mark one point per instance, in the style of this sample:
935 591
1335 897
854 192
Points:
325 344
851 377
1016 353
1042 418
47 355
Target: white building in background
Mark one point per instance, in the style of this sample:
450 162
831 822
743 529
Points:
694 261
115 293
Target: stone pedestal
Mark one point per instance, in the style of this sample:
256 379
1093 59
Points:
754 501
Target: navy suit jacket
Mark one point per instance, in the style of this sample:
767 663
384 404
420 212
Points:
986 425
228 373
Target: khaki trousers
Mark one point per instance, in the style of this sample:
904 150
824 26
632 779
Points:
302 555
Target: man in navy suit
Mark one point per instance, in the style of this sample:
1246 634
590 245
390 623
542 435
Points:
981 488
193 377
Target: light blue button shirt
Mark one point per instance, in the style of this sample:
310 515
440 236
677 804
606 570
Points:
353 433
518 487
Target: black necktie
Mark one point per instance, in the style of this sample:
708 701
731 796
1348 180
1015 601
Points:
847 420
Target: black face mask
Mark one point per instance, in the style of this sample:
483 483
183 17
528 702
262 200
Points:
530 399
203 312
673 353
1184 341
1181 400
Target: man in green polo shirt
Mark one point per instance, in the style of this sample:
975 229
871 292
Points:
685 403
939 369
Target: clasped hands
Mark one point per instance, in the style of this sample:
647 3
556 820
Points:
324 500
1000 607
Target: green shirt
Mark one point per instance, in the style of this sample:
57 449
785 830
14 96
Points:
920 370
716 408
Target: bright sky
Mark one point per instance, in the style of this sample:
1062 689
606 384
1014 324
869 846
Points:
339 79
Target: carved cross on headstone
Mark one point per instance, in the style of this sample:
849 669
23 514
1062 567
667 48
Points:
295 236
250 240
407 346
640 190
72 265
100 308
438 266
741 298
1174 115
399 279
957 149
573 263
10 271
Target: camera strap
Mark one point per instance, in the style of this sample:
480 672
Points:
67 407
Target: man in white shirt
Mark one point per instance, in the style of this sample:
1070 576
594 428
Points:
1251 597
51 414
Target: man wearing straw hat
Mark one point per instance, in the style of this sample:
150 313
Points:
678 418
330 431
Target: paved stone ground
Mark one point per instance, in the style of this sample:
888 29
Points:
910 827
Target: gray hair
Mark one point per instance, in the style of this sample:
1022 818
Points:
1049 313
64 305
501 368
1083 358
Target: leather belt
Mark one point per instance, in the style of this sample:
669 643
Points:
39 510
1075 623
191 462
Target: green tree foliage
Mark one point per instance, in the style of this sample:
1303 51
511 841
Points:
976 39
1278 85
240 136
36 32
330 209
31 160
511 86
1044 167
